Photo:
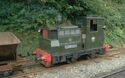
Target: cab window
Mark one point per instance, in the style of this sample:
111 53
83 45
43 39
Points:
93 25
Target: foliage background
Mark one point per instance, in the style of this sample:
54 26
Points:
22 17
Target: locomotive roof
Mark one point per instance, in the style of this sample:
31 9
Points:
94 17
7 38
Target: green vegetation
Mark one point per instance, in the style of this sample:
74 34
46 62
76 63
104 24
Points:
22 17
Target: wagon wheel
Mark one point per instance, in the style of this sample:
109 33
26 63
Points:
7 73
1 75
46 64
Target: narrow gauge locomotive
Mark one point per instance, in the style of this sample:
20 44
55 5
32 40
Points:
68 43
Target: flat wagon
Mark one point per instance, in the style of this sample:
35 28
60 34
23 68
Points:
8 54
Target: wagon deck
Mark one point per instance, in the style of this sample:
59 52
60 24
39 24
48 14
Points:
8 38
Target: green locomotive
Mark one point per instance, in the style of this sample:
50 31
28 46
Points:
68 43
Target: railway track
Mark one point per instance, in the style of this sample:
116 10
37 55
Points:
119 73
36 68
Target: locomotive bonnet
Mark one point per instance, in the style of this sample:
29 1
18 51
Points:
68 43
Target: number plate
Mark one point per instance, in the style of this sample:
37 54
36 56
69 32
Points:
70 46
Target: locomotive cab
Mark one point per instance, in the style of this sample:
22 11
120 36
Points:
94 32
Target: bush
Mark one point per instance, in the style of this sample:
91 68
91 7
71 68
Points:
23 16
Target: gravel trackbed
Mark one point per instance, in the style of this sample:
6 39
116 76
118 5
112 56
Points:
84 71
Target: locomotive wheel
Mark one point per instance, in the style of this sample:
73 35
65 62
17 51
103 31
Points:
71 60
93 55
46 64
